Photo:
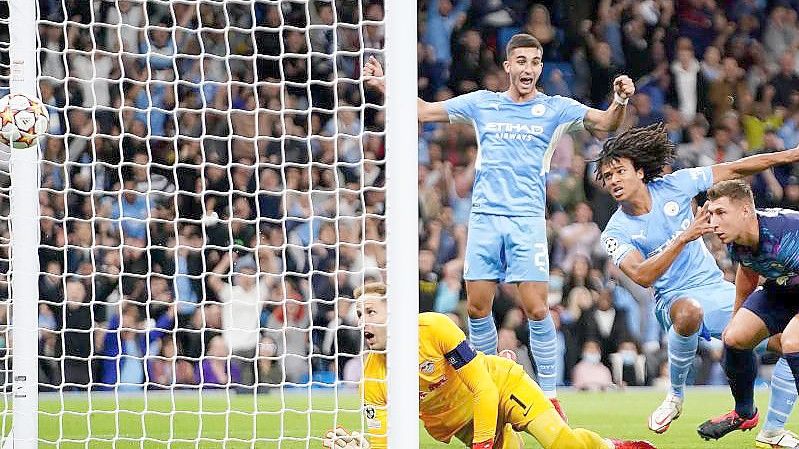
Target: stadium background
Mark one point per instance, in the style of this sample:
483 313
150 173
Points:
722 75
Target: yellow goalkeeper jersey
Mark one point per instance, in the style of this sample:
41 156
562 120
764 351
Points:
457 384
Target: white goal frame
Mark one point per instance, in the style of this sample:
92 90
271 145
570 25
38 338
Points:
401 227
24 292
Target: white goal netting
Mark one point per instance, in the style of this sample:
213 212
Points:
211 186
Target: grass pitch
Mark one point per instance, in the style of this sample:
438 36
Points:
297 418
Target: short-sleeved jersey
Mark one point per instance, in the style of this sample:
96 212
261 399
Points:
445 402
777 254
515 146
651 233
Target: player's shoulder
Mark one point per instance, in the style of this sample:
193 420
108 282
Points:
558 99
437 328
374 367
681 176
617 222
779 219
433 319
779 213
481 94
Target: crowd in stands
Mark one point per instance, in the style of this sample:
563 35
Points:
722 75
212 178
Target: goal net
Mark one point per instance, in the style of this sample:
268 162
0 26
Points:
211 190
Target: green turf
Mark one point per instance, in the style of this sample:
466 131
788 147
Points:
260 422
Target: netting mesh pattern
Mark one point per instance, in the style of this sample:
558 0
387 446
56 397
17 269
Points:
211 186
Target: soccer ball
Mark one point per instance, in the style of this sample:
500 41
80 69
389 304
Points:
22 120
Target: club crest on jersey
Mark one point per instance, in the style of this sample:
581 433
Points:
427 367
671 208
538 110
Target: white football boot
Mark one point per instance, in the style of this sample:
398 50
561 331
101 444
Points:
668 411
776 439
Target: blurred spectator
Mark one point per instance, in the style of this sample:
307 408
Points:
78 333
242 301
442 20
580 275
580 237
126 342
192 146
605 324
689 83
428 281
539 25
590 374
269 368
216 371
450 291
628 366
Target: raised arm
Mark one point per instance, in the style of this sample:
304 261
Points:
753 164
610 119
427 111
646 271
215 277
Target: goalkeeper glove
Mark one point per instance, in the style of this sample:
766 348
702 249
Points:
340 438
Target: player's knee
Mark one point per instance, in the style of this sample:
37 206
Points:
536 311
686 317
738 339
478 309
789 343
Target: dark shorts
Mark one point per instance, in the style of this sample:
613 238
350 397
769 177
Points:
775 305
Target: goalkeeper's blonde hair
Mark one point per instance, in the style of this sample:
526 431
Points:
371 288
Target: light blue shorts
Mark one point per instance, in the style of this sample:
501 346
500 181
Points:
716 300
506 249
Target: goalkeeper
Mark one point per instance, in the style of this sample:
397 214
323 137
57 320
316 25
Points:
480 399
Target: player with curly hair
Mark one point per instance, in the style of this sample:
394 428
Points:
653 238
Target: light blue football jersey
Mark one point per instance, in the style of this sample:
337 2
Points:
515 142
652 232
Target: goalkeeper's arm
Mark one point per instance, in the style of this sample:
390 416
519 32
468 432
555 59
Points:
474 374
428 112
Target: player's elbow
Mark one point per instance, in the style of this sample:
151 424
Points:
642 278
431 112
424 111
606 124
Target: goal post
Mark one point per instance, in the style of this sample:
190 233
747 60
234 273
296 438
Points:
24 197
402 162
216 180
